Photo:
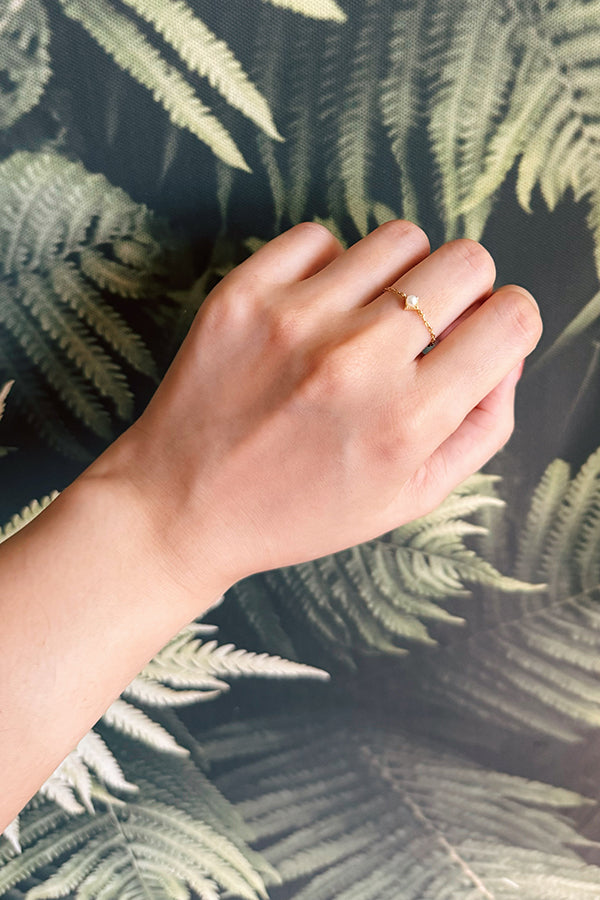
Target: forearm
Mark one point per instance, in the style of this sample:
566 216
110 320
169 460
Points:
85 602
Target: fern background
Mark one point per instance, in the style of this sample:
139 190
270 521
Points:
453 751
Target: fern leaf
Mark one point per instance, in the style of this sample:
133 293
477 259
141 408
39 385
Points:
142 847
60 222
188 670
124 281
551 640
132 721
74 392
92 750
267 71
77 343
87 303
151 692
210 57
380 596
24 38
401 90
356 811
4 392
122 39
474 70
19 520
316 9
357 120
11 833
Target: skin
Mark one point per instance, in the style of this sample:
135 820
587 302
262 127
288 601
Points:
299 418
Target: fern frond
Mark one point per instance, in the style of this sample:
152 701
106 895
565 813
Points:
121 38
75 393
4 392
188 663
357 119
24 38
130 720
315 9
86 302
144 846
19 520
11 833
380 595
473 72
208 56
76 341
533 664
61 235
356 811
400 92
124 281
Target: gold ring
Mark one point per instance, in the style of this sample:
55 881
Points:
411 301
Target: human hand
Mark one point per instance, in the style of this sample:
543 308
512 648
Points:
300 418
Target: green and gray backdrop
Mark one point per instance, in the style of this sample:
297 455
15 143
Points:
416 718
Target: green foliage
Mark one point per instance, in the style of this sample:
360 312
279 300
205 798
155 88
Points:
24 59
345 810
4 392
382 595
199 50
29 512
176 833
531 663
67 240
318 9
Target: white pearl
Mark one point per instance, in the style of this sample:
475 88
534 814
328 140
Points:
412 301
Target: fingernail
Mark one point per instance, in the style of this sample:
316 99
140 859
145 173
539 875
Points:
529 296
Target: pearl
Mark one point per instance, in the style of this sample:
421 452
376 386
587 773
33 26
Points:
411 302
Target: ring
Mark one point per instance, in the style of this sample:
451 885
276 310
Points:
411 301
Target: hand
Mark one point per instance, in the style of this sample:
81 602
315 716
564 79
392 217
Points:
299 416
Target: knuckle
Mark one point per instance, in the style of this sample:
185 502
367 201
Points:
284 326
316 232
520 316
476 257
401 229
329 376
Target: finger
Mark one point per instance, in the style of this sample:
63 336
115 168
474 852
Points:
362 272
447 283
292 256
463 369
484 432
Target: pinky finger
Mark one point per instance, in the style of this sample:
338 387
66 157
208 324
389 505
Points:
483 432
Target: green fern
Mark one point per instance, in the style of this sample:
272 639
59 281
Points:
382 595
177 833
522 84
24 58
199 50
317 9
531 664
345 810
67 239
4 392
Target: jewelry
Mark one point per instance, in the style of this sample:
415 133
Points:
411 301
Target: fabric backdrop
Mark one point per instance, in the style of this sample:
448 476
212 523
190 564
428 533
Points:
146 147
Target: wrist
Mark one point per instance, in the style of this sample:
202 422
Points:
144 522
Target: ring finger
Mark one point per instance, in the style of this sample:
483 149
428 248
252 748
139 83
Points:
446 283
